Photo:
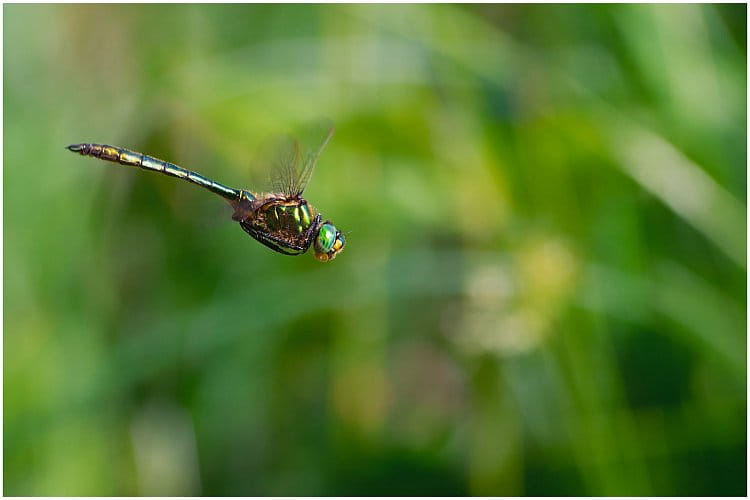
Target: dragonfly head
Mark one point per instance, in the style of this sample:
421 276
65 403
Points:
328 242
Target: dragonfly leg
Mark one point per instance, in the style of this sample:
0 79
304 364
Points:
310 232
273 242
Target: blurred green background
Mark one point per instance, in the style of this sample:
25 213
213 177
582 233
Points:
543 291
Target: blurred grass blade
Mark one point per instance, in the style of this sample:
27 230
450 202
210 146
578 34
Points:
685 188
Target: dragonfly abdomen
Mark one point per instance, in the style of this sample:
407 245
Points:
127 157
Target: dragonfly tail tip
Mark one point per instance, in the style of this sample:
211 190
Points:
74 147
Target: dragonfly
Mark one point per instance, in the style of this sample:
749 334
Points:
281 218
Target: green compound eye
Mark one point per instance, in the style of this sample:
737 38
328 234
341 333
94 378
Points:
326 237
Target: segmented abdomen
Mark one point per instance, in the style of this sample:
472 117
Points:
146 162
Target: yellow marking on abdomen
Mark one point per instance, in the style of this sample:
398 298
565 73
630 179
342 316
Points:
130 158
110 153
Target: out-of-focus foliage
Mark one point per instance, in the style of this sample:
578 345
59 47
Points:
543 291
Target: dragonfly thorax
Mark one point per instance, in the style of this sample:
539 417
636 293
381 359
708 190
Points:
285 224
292 217
289 225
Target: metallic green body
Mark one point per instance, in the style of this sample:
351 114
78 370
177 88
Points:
282 220
295 218
285 225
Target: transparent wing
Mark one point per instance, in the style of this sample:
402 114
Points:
285 165
315 137
275 165
289 162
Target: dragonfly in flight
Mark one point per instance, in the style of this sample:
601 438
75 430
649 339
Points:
281 219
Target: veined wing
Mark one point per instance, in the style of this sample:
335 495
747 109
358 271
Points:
284 167
315 137
290 160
